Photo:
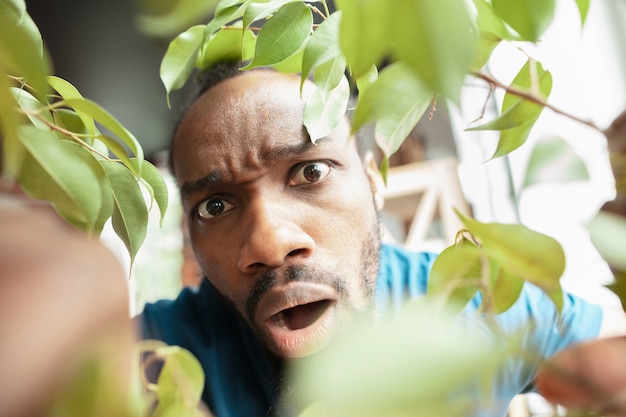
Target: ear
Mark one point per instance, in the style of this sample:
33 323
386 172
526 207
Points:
376 180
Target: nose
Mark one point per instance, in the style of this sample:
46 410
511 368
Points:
272 237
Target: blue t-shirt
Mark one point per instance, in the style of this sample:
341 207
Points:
240 378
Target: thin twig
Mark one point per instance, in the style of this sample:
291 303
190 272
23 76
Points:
532 98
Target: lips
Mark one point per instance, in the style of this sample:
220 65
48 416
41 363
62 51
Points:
297 318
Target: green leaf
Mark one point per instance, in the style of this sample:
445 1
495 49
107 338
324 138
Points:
436 40
63 173
258 11
130 214
554 160
327 105
518 115
21 48
30 104
68 91
530 18
396 373
227 45
181 379
456 274
224 16
366 80
323 45
106 119
531 255
282 35
12 151
504 289
365 29
184 14
292 64
583 8
222 5
398 96
158 189
488 21
487 42
180 59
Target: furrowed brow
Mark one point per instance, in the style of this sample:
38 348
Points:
287 151
208 180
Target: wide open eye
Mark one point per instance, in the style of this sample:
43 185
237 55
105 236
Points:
311 172
213 207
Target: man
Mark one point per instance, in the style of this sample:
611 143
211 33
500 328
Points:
286 232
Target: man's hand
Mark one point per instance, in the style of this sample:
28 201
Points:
588 376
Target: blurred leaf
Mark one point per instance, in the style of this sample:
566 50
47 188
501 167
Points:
227 45
487 42
29 105
608 234
366 80
63 173
282 35
323 46
398 99
364 32
180 59
554 160
504 289
397 373
107 120
531 255
180 382
158 189
435 39
183 14
530 18
12 151
327 105
68 91
456 274
130 215
488 21
583 9
21 51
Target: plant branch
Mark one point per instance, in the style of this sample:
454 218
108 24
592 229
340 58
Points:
532 98
67 133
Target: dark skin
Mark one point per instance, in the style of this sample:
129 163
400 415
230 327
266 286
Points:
286 230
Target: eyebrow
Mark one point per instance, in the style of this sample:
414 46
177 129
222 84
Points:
281 152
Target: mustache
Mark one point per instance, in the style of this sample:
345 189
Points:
295 273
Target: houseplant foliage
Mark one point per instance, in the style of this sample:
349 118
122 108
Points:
66 149
63 148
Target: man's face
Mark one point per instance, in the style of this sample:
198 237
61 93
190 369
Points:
285 230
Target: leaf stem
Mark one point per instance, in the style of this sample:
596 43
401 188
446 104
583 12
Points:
532 98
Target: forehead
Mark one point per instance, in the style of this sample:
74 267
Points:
242 121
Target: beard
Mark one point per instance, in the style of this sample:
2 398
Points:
370 257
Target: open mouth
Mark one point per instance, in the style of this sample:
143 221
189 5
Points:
301 316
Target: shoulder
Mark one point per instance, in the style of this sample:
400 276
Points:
402 273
